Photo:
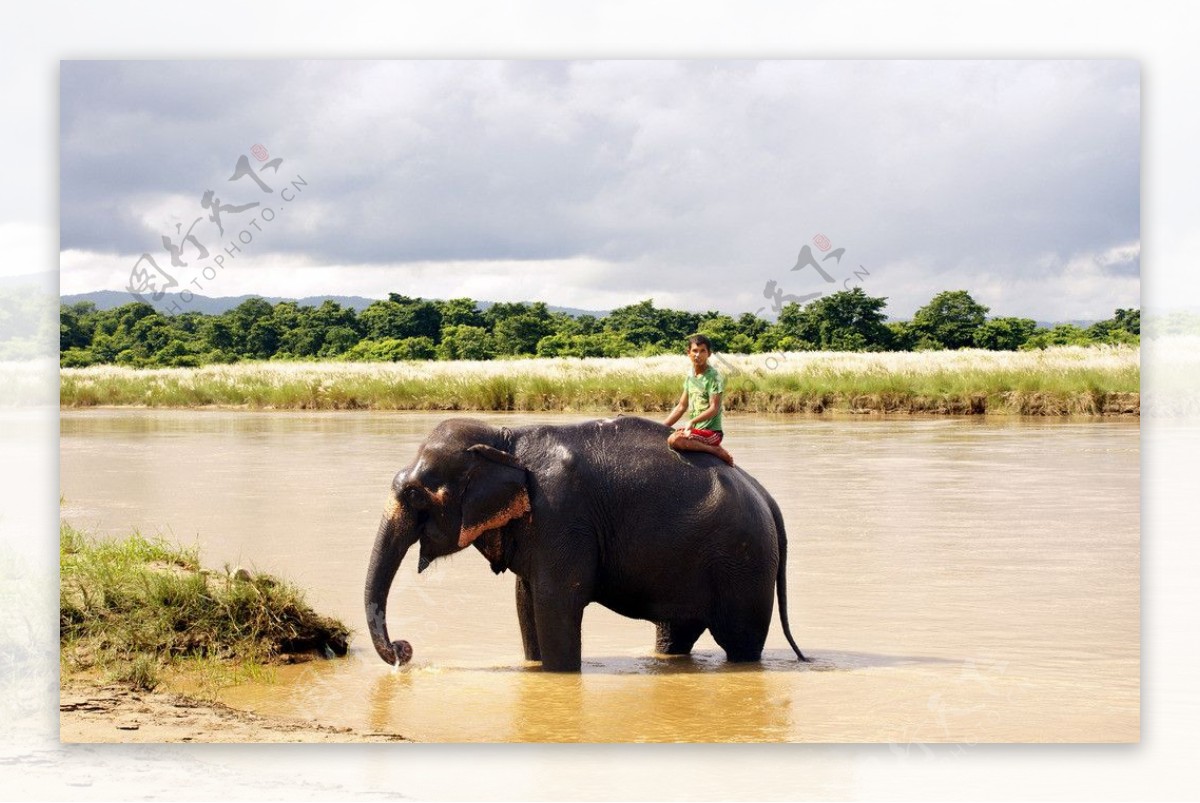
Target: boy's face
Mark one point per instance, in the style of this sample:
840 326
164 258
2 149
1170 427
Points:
698 352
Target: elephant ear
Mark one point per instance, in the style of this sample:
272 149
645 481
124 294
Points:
497 492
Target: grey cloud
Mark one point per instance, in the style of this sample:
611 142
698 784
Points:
707 172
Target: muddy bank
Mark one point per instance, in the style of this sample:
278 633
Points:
93 712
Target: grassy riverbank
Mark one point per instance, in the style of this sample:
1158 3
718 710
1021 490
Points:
1057 381
135 609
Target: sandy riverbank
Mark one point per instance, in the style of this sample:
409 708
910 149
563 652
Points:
95 712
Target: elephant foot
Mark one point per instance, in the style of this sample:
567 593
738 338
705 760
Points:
743 657
561 666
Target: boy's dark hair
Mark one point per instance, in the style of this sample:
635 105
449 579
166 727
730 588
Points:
702 340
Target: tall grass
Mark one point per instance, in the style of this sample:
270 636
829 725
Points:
135 606
1063 380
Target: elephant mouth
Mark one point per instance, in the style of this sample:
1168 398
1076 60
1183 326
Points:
433 542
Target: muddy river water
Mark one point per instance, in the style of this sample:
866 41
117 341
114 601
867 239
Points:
954 580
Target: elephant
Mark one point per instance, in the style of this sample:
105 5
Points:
600 511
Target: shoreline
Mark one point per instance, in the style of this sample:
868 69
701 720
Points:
1096 381
1116 405
95 712
134 613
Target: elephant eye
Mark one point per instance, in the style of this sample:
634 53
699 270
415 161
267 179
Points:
412 496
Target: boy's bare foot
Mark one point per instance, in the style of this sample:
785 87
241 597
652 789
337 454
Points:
683 441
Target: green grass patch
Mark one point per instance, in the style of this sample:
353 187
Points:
137 607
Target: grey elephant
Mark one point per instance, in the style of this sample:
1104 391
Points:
600 511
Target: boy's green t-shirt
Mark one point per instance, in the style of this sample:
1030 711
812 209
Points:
698 390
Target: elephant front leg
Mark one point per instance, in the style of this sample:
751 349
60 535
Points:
558 620
527 621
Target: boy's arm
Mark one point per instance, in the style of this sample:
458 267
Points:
714 406
679 410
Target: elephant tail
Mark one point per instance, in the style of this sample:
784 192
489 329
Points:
781 580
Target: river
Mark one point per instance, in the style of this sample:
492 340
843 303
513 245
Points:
954 580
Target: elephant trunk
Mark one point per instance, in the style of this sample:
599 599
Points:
396 534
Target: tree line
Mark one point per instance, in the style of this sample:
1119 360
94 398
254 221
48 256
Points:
404 328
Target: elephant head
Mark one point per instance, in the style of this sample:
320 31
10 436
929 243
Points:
464 483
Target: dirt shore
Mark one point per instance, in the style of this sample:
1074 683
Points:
93 712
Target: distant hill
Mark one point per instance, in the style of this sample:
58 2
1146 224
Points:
108 299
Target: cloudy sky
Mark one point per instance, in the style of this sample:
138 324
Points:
598 184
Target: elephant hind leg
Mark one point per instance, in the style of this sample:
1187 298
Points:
742 631
677 638
739 647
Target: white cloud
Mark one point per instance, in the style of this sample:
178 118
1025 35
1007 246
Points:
1083 286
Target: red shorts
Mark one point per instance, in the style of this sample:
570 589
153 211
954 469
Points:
712 437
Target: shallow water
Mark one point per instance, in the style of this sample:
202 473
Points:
954 579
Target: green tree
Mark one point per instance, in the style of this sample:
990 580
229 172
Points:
1121 337
190 322
1004 334
595 344
338 340
307 332
129 314
1064 334
580 325
466 343
950 319
262 341
1124 327
558 345
151 333
288 315
401 317
848 320
104 347
740 344
301 341
242 319
1130 320
176 354
519 331
722 331
297 331
76 322
332 314
119 338
392 350
105 322
78 358
780 336
645 326
902 337
218 334
502 310
461 312
751 326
